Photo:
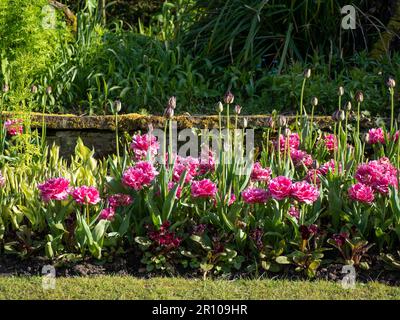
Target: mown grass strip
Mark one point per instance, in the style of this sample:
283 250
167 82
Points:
113 287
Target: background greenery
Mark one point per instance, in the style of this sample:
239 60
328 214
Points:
142 52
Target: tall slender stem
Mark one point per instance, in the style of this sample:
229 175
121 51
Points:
116 136
87 213
392 110
358 119
170 143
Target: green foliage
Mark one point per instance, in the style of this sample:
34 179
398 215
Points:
258 49
30 37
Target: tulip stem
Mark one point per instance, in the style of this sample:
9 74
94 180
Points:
302 98
358 119
392 110
87 213
116 136
170 143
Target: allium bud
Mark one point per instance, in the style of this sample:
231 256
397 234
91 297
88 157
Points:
340 91
359 96
307 73
282 121
238 108
314 101
348 106
287 132
271 122
228 97
34 89
172 102
366 138
49 90
220 107
338 115
169 113
341 115
391 83
117 106
6 88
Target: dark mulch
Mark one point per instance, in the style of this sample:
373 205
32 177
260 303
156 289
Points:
129 264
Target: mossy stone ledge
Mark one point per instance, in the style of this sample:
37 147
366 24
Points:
135 122
98 132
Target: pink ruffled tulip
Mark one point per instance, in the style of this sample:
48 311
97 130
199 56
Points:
139 176
86 195
279 187
54 189
255 195
203 189
361 193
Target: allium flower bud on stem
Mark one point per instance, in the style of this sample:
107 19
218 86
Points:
229 97
314 101
238 108
117 106
307 73
391 83
172 102
287 132
348 106
220 107
271 122
359 97
169 113
282 121
340 91
338 116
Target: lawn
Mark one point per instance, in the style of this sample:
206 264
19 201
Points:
118 287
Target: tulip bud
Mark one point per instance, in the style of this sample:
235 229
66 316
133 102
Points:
49 90
314 101
348 106
338 115
169 113
220 107
307 73
359 96
6 88
282 121
228 97
238 108
391 83
172 102
287 132
34 89
342 115
366 138
271 122
117 106
340 91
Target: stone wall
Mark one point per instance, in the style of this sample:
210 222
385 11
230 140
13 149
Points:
98 132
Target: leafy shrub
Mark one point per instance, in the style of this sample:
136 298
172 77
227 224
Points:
30 39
